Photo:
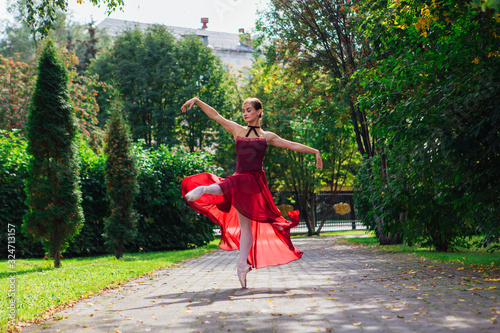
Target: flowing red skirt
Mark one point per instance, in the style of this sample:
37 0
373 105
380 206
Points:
247 193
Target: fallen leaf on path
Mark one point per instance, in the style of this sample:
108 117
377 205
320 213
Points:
357 324
386 317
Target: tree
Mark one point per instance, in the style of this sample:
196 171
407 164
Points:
321 35
53 194
20 40
41 14
121 173
435 86
155 74
143 68
202 75
17 84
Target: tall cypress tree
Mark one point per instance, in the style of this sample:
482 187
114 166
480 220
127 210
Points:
121 182
52 187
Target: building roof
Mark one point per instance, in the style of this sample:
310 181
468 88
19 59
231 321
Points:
220 41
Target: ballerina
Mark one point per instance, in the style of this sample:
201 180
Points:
241 204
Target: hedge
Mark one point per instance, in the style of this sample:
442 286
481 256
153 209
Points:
166 222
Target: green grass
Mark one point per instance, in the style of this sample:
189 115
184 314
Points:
40 287
471 258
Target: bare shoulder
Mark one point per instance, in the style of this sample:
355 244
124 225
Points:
239 130
271 137
232 127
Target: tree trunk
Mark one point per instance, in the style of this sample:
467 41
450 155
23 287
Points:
119 250
57 259
389 239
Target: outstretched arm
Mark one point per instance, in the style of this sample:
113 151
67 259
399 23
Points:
275 140
229 125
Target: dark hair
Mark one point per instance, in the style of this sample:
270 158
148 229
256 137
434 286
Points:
254 101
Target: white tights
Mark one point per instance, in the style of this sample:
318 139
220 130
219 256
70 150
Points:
246 237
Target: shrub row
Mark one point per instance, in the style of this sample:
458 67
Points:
166 222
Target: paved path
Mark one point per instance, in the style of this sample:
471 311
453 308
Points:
335 287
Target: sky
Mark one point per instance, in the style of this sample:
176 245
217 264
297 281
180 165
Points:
223 15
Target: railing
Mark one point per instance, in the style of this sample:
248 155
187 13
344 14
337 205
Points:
334 222
328 226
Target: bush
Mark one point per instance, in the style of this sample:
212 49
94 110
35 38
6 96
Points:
165 221
160 202
13 164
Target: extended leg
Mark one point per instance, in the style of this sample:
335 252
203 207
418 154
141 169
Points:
200 190
246 239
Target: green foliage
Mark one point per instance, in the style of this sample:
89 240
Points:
13 165
156 74
53 196
435 89
95 204
19 40
321 36
202 75
40 15
120 227
165 221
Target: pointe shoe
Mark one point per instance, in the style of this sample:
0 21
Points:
242 271
195 194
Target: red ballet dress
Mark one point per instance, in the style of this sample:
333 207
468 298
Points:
246 191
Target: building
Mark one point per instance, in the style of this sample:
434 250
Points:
229 47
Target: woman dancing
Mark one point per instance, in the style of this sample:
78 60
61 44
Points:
241 204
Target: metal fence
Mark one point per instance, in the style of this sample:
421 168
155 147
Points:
321 202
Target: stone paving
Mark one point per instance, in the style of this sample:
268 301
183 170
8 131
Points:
335 287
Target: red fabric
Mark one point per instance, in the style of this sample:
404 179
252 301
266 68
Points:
246 191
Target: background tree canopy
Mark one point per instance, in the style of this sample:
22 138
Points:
155 75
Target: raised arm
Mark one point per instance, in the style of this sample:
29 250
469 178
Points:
275 140
229 125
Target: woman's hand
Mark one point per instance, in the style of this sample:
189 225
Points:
319 160
189 104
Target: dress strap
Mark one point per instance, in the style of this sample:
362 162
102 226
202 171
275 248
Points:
254 129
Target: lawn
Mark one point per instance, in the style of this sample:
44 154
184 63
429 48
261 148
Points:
468 258
39 287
